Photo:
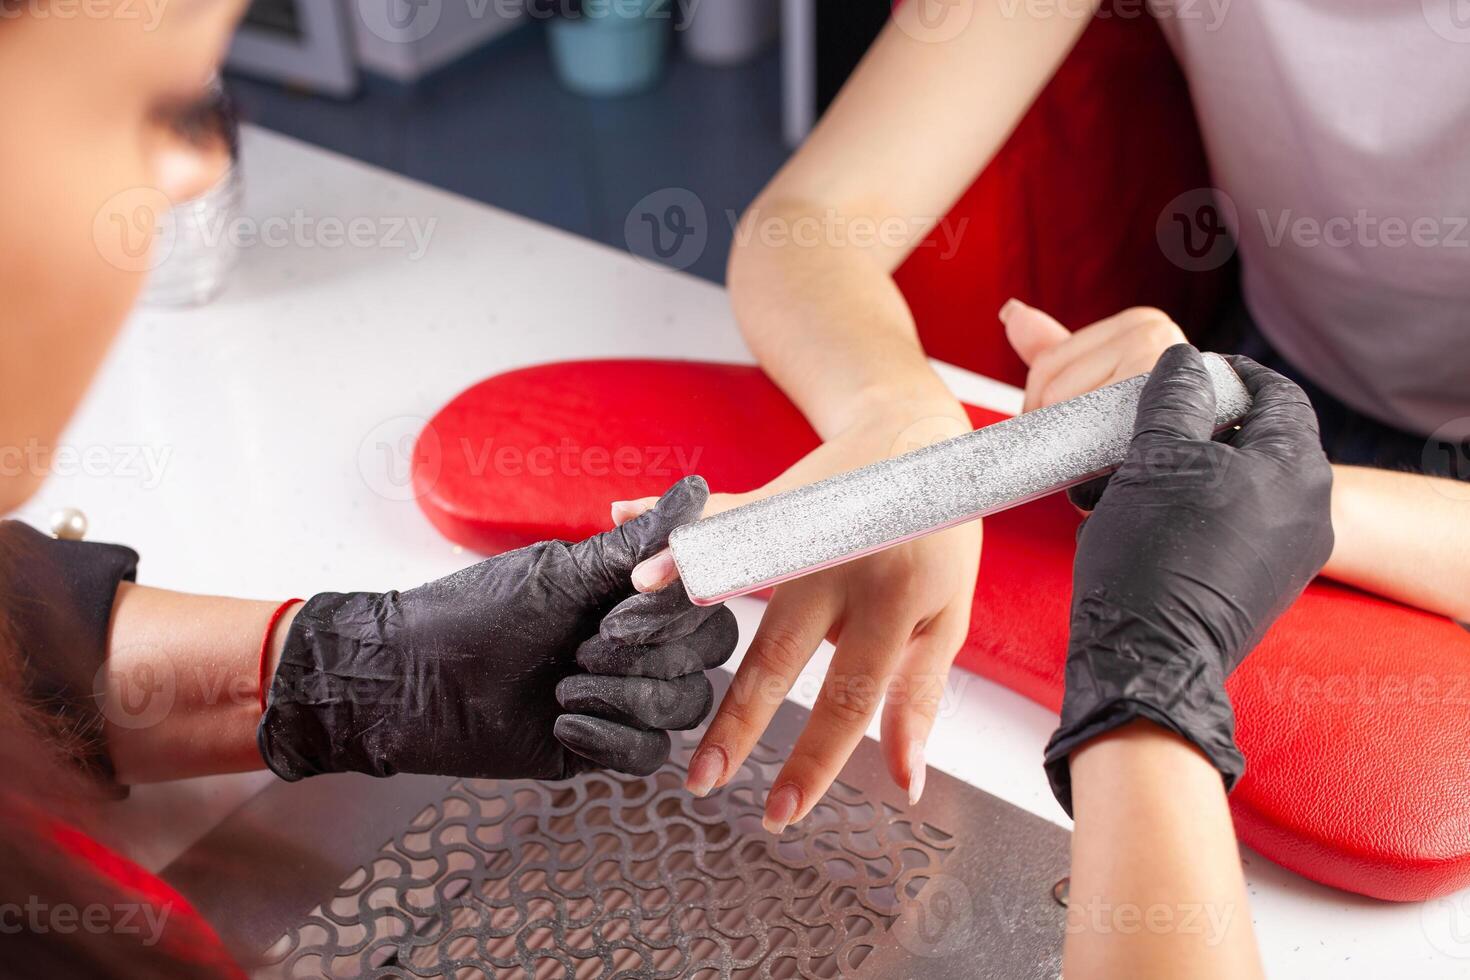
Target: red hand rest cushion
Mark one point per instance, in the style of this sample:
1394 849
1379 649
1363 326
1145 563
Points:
1352 714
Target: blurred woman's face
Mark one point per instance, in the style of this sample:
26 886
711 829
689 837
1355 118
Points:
91 95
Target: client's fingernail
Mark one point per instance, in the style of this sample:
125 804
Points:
624 511
655 573
1010 308
917 770
705 769
781 808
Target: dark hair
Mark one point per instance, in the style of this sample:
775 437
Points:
45 795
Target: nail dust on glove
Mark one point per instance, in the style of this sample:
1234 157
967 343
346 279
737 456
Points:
462 676
1194 549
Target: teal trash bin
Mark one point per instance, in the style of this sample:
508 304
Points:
614 47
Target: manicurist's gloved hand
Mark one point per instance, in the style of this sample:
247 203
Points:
1193 550
541 663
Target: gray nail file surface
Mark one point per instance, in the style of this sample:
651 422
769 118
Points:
866 510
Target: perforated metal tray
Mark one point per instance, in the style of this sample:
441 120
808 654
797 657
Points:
617 877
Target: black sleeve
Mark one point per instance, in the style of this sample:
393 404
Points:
55 608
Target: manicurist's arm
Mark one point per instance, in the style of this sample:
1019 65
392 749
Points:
1157 889
540 663
1193 549
182 683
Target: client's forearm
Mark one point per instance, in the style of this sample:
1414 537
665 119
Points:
829 325
1157 890
182 693
1403 535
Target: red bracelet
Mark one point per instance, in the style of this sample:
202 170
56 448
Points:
265 645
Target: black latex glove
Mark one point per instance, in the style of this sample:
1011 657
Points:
461 676
1194 549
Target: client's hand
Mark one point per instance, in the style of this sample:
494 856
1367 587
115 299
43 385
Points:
1195 548
541 663
1063 364
898 619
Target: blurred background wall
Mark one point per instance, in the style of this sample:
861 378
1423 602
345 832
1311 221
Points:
577 113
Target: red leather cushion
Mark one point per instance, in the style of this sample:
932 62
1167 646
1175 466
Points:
1352 714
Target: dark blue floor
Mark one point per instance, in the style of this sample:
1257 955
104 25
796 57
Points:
498 127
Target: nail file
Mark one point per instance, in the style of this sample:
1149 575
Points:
853 514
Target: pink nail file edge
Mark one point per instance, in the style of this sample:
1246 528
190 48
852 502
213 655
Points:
853 514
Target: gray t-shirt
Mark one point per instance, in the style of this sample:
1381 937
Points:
1339 132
